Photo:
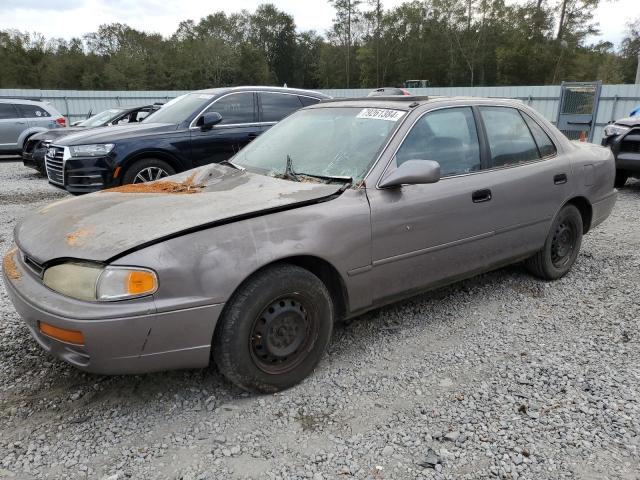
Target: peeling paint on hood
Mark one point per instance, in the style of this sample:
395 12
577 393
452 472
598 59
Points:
102 225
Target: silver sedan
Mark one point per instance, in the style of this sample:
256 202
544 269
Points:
340 208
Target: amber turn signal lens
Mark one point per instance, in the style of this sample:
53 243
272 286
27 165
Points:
68 336
141 282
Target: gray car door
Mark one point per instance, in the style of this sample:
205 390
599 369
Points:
11 126
529 179
426 234
35 115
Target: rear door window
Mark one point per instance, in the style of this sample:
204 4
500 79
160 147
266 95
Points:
276 106
546 146
235 108
32 111
448 136
509 138
7 111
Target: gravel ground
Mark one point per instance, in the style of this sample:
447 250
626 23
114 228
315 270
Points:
499 376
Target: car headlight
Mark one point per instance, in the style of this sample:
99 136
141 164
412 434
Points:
613 129
89 282
93 150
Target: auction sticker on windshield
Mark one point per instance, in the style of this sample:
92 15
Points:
381 114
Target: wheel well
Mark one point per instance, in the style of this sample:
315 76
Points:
586 211
325 272
170 159
329 276
27 137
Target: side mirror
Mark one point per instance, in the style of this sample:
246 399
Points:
209 120
412 172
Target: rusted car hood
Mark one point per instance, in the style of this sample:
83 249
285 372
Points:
102 225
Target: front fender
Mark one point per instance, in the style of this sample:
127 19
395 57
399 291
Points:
163 151
206 267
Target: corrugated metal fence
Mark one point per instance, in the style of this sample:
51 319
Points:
616 101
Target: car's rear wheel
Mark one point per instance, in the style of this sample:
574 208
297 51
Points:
561 247
621 179
274 329
147 170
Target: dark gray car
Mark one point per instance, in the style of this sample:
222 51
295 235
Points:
20 119
340 208
623 137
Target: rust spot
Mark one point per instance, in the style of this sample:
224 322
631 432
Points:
79 237
10 267
162 186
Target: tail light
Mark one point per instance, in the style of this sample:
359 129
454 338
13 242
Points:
61 121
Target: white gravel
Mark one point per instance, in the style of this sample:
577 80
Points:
499 376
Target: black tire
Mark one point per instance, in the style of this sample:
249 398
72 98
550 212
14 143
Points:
561 247
621 179
253 344
140 166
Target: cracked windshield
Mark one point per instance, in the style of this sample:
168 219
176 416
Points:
326 144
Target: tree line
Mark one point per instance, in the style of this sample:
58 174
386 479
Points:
447 42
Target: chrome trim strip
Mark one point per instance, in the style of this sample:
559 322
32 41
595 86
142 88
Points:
435 248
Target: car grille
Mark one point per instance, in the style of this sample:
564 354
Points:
630 147
55 165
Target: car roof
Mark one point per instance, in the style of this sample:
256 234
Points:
296 91
23 101
409 102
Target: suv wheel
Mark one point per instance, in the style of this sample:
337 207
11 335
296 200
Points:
274 330
147 170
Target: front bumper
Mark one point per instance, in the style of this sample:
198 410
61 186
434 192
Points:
85 175
34 158
626 150
119 337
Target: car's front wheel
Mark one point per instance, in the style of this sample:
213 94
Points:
561 247
147 170
274 329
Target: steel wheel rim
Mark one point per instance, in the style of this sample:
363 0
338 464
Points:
283 334
149 174
563 244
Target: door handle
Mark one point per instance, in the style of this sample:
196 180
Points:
560 178
480 196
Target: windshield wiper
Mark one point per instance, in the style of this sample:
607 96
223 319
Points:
330 178
288 170
292 175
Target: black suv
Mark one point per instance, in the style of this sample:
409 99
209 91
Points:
623 137
207 126
37 145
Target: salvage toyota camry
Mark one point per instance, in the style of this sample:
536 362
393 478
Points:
342 207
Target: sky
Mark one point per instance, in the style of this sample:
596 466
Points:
73 18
